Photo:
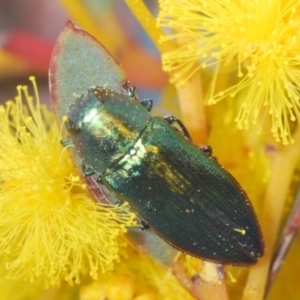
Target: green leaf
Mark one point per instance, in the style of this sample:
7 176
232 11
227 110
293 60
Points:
78 62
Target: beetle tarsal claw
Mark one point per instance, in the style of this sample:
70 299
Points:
87 170
66 143
207 150
144 225
173 120
148 104
129 88
99 179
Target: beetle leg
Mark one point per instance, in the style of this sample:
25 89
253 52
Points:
171 120
65 143
118 203
148 103
207 150
144 225
99 179
87 170
131 92
130 89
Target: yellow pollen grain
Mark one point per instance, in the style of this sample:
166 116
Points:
231 277
241 231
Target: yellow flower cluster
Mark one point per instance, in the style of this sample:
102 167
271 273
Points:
49 225
253 46
135 278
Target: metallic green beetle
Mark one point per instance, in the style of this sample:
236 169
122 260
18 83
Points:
177 188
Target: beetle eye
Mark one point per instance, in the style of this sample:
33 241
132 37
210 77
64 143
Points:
72 127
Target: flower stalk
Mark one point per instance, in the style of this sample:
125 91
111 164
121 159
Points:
283 164
189 94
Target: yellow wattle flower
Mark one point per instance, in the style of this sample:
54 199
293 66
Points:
50 227
255 44
136 277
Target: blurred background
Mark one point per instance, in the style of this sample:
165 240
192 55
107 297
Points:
29 29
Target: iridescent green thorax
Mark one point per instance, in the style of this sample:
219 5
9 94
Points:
107 124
